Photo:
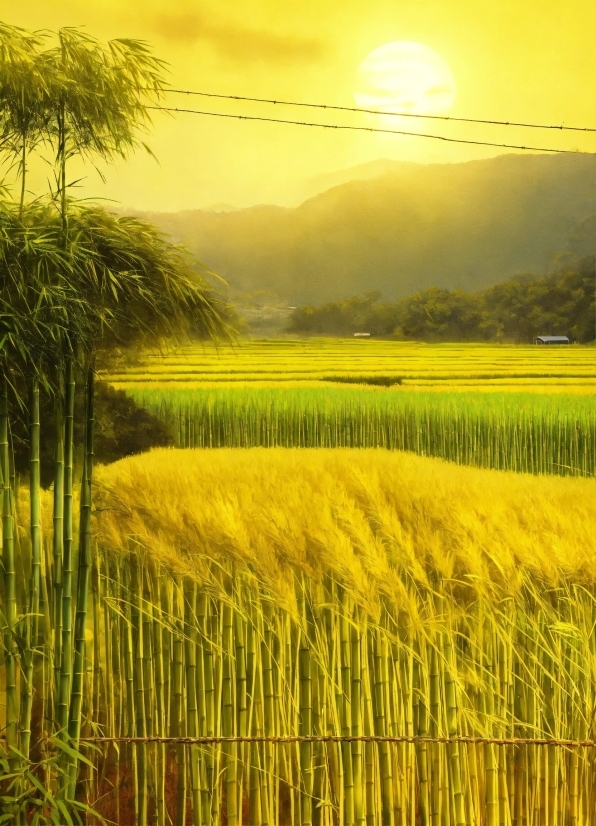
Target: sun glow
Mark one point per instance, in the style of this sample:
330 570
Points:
405 77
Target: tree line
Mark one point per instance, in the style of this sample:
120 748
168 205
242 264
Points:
516 310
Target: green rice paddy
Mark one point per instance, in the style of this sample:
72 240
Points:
528 409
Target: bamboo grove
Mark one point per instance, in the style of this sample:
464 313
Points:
501 431
75 281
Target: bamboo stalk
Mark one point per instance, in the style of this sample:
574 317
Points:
76 699
10 585
63 695
32 621
58 535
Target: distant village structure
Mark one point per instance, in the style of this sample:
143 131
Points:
551 340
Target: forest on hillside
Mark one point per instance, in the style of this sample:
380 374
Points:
516 310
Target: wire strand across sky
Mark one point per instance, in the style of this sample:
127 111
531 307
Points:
336 108
368 129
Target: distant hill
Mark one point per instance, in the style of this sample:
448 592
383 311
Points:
219 208
362 172
466 225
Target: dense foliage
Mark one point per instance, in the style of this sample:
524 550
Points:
561 303
122 428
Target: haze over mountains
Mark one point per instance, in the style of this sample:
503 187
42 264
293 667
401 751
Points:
399 227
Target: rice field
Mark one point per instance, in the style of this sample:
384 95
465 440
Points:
329 593
527 432
530 409
417 364
362 637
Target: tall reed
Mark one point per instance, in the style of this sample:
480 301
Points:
521 432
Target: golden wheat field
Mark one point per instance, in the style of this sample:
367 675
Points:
359 513
345 634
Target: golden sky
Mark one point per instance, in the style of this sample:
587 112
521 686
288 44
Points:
530 60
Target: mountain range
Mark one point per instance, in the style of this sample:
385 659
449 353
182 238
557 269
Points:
398 227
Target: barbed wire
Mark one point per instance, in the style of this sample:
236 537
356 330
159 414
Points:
370 129
329 738
337 108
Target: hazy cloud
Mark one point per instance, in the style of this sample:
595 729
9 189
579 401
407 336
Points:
236 41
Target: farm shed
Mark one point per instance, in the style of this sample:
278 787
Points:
551 340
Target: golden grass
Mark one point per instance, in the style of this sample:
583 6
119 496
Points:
358 514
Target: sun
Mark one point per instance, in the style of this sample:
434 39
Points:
405 77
